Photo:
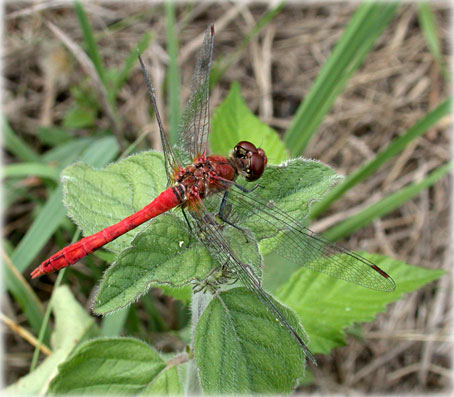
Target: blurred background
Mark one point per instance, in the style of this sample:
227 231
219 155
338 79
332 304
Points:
55 106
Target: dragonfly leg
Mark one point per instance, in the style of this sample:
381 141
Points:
227 274
225 211
209 283
246 190
218 276
187 220
229 183
202 286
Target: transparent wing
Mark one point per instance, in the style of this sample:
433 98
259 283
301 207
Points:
172 160
300 245
220 248
194 124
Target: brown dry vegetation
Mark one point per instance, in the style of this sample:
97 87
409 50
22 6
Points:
407 348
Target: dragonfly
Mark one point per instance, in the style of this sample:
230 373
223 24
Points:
193 175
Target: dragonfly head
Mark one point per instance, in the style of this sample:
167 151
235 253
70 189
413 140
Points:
249 160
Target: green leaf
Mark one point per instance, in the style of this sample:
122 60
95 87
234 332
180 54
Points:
96 199
326 306
72 325
108 366
162 254
292 187
240 347
80 116
167 383
105 255
364 28
233 122
183 293
277 270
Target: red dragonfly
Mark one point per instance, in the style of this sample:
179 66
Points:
211 175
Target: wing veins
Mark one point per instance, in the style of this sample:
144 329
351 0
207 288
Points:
223 251
303 239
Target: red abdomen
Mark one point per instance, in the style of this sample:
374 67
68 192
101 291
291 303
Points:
74 252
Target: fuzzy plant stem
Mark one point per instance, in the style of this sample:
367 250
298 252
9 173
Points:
200 301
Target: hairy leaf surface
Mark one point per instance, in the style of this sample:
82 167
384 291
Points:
241 348
108 366
326 306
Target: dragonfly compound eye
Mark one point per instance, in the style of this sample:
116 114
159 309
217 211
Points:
256 167
261 152
245 147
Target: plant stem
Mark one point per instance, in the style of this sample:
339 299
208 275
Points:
200 301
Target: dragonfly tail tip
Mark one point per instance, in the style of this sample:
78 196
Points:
37 272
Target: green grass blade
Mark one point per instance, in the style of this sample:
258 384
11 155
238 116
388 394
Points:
385 205
45 322
173 77
98 154
364 28
132 146
395 147
52 214
223 63
7 246
68 152
107 97
49 218
24 170
90 41
112 324
429 28
126 22
131 60
16 145
428 24
25 298
155 321
12 192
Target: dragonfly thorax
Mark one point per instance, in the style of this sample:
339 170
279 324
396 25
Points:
248 160
204 177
